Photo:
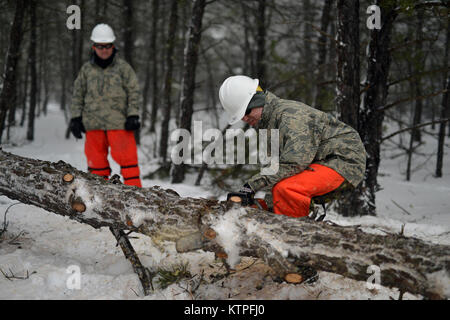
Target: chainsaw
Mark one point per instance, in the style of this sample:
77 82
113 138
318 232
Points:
244 200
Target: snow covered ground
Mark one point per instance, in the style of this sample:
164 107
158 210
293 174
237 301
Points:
48 246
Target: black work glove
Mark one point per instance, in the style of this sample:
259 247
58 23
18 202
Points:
246 194
132 123
76 127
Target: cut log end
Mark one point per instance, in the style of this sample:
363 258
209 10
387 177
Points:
293 278
236 199
68 177
221 255
78 206
210 234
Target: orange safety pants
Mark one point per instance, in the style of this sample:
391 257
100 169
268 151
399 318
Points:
123 151
292 196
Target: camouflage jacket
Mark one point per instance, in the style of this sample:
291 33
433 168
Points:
105 97
307 135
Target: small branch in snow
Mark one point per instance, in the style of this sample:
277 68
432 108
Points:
143 273
404 210
6 223
13 276
134 292
402 231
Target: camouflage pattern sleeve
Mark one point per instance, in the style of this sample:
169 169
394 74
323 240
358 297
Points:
299 141
79 92
131 85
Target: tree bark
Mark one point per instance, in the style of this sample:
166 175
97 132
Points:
128 33
348 87
371 113
171 41
8 94
308 20
33 76
155 79
188 82
417 85
348 96
417 64
249 64
261 43
284 243
25 93
320 95
445 111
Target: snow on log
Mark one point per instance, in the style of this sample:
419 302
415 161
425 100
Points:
286 244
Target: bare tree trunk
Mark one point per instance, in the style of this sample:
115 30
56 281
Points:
185 7
25 93
211 88
76 49
46 71
128 34
285 244
416 134
7 97
444 109
39 66
348 74
261 42
348 97
80 42
155 78
98 16
371 115
171 41
319 98
33 78
249 65
188 82
308 19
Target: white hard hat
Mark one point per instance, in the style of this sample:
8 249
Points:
102 33
235 94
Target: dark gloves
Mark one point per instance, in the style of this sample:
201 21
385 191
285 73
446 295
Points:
76 127
132 123
246 195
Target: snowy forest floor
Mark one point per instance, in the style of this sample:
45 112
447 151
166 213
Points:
45 244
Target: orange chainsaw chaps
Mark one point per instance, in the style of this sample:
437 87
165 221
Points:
123 151
292 196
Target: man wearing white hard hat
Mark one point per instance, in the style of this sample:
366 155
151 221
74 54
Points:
318 153
105 105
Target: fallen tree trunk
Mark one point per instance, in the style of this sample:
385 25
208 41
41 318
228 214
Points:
284 243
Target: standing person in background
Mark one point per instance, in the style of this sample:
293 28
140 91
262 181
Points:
105 105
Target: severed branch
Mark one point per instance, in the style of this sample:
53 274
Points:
128 250
384 108
414 127
286 244
123 240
